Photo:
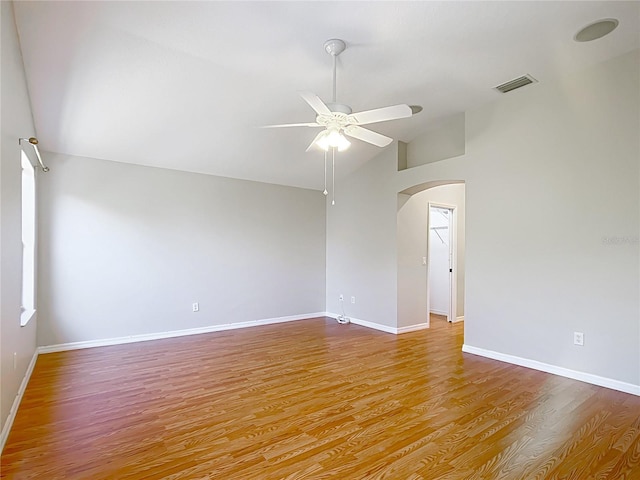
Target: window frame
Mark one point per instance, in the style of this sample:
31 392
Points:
28 236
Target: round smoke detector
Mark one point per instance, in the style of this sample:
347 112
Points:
596 30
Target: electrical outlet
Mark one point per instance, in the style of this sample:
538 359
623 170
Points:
353 299
341 297
578 338
195 307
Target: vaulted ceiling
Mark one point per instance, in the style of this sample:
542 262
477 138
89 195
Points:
185 85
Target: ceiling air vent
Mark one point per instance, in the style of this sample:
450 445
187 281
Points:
516 83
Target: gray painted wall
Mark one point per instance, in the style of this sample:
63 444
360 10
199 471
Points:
127 249
361 242
557 163
446 140
16 123
560 164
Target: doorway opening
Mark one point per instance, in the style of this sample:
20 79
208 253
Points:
441 263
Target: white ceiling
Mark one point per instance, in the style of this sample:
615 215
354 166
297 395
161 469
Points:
184 85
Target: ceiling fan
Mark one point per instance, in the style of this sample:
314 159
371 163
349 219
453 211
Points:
338 120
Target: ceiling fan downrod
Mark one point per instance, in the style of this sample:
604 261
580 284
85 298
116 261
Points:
334 47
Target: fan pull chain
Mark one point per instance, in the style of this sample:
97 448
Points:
325 193
333 176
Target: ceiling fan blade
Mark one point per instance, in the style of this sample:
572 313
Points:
314 102
292 125
367 135
317 137
380 114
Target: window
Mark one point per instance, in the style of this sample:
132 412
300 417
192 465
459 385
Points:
28 241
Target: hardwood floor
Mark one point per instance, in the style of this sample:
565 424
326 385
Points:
314 400
434 317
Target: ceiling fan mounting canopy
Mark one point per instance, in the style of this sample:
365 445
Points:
335 46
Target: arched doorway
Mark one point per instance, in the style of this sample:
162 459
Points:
415 291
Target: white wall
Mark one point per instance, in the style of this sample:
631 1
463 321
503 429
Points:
559 162
126 250
446 140
412 246
16 122
361 242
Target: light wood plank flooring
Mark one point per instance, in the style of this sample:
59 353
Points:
315 400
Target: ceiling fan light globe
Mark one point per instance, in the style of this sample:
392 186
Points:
323 143
343 144
334 138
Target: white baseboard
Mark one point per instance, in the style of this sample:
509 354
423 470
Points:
381 327
459 319
561 371
174 333
365 323
6 428
412 328
439 312
375 326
